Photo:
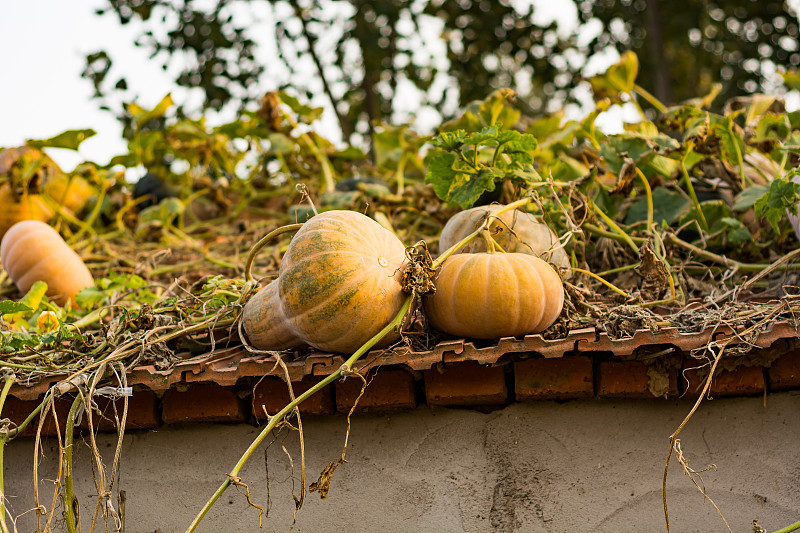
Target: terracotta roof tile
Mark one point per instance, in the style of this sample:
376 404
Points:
584 364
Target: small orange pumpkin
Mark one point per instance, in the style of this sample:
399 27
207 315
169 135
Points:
33 251
339 285
493 295
518 232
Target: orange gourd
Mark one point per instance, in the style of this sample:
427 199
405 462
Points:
15 209
339 285
36 193
518 232
493 295
33 251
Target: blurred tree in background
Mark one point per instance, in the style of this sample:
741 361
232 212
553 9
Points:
684 47
371 58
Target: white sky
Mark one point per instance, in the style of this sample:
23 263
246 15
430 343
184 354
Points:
42 93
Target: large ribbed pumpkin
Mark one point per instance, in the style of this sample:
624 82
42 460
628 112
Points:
519 232
32 251
339 284
493 295
264 322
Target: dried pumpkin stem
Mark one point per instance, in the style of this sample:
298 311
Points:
279 416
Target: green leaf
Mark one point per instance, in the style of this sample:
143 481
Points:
467 188
486 134
587 124
350 153
747 198
706 100
468 121
620 78
279 143
770 127
544 127
497 108
731 146
450 140
19 340
566 169
658 164
91 297
783 194
440 174
9 306
713 210
618 147
736 231
668 206
520 144
792 79
756 105
523 175
70 139
305 113
142 116
32 300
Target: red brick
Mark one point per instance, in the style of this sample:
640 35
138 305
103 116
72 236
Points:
784 374
623 379
273 394
203 402
18 410
554 379
467 383
386 390
742 381
143 412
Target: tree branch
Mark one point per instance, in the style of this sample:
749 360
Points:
312 41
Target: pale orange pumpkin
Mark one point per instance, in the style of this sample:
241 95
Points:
339 285
516 231
32 251
493 295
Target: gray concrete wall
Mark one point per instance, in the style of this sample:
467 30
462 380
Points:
542 466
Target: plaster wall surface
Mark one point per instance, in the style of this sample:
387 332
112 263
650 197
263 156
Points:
594 465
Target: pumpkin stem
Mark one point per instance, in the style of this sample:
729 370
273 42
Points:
248 275
487 238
